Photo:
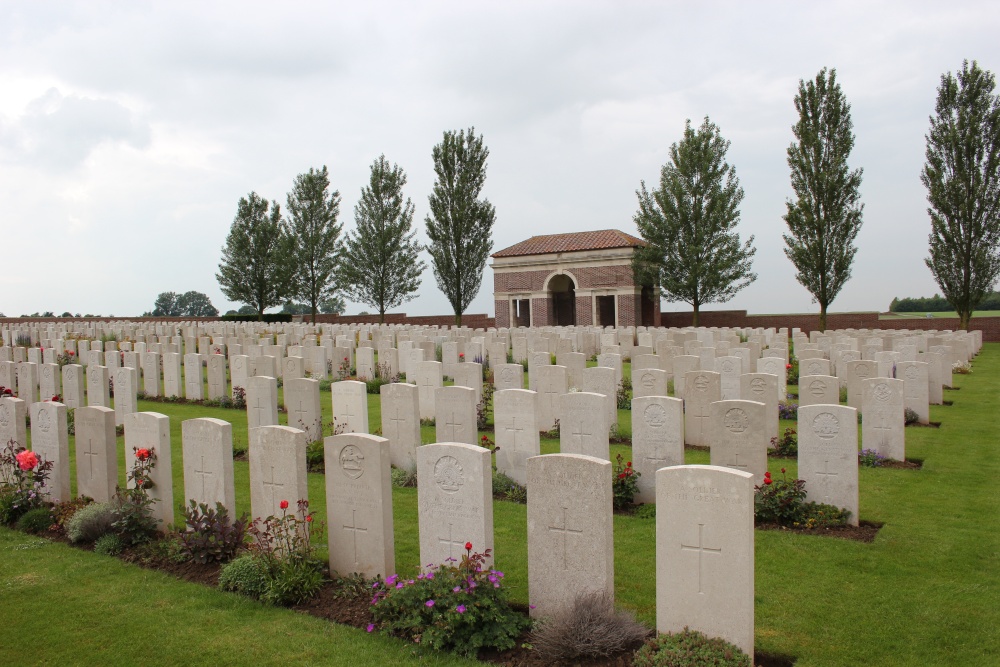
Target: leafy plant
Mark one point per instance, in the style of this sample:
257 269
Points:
459 608
553 432
787 445
624 483
592 628
910 416
504 488
483 406
109 544
788 410
784 502
869 458
285 545
133 507
623 395
210 535
690 648
247 575
90 522
23 475
34 521
792 372
403 478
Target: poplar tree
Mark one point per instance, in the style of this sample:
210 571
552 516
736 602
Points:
460 225
312 216
255 267
825 217
693 250
380 266
962 177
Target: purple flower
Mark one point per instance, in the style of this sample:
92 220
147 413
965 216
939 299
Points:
391 580
371 626
399 585
460 609
429 603
456 589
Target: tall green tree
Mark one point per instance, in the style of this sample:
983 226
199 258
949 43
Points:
256 267
196 304
380 266
825 217
460 225
312 217
693 250
166 305
962 177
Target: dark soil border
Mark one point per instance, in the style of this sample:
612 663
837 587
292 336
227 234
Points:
865 532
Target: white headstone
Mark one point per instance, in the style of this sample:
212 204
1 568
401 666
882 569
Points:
738 437
583 427
207 445
701 389
96 453
828 455
401 423
151 430
49 440
515 416
277 469
350 405
882 427
262 401
304 410
456 415
657 440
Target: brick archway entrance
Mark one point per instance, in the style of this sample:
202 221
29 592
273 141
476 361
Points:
562 291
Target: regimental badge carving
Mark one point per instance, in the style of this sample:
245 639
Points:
701 383
728 367
70 374
655 416
44 421
4 415
882 392
647 380
507 375
46 372
817 388
736 420
815 369
758 386
351 460
912 373
122 377
238 364
826 425
863 370
448 474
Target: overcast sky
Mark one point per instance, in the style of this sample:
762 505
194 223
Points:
129 131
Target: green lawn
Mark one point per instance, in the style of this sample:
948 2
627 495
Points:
951 314
926 592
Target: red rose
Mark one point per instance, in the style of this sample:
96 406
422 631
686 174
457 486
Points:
309 518
142 454
628 465
782 470
283 504
787 366
468 546
767 480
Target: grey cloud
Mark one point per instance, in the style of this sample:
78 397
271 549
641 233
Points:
60 131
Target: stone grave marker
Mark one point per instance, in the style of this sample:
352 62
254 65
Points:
705 552
359 505
552 383
277 469
401 423
365 363
702 388
172 375
207 445
649 382
570 531
350 405
858 372
238 367
48 382
151 430
729 370
515 415
684 364
454 499
776 366
763 388
583 426
73 386
600 380
151 373
216 376
126 397
814 367
657 440
456 415
262 401
508 376
13 412
738 437
916 397
828 455
49 439
819 390
98 389
429 379
470 374
303 406
96 453
882 418
27 382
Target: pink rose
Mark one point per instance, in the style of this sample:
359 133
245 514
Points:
27 460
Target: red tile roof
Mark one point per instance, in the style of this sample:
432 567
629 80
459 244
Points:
572 242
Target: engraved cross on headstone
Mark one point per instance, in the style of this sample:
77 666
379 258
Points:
737 463
882 428
355 529
565 531
396 419
452 424
91 455
274 486
451 542
580 433
825 474
203 473
701 549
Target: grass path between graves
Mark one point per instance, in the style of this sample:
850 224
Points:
926 592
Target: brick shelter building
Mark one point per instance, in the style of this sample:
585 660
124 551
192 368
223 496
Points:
582 278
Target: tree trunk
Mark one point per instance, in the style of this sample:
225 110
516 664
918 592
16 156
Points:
822 317
964 316
458 319
694 316
381 316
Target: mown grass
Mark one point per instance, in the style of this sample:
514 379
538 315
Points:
926 592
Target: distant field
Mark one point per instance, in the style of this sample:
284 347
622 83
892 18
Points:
911 316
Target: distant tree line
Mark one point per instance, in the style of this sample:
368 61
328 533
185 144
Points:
938 304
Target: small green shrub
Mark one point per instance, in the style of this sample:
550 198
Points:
624 483
109 544
505 488
783 501
90 522
404 478
294 581
246 575
623 395
910 416
35 521
690 648
869 458
211 537
843 394
646 511
786 446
